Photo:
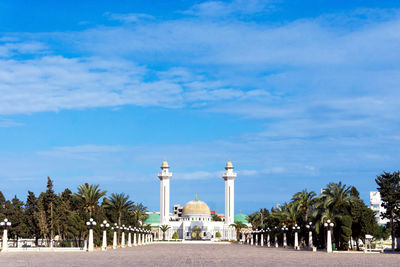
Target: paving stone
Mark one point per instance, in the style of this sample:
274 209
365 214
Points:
196 255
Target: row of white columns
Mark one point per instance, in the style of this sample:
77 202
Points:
249 238
140 236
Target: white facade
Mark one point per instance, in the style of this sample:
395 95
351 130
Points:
376 205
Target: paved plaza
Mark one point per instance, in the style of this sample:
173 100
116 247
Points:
196 255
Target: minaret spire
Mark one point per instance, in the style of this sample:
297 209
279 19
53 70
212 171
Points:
229 176
164 177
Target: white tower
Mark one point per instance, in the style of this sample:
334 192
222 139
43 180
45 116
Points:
229 177
164 176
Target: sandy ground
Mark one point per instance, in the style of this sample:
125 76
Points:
196 255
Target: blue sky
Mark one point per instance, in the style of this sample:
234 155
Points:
295 93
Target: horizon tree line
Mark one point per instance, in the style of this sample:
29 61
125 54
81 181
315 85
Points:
342 205
65 214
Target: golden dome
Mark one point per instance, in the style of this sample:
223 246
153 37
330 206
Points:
196 207
229 164
164 164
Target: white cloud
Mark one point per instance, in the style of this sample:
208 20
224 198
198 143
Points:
220 8
129 18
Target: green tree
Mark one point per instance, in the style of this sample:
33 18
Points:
2 206
90 195
304 202
346 222
49 202
17 218
164 228
381 232
30 221
119 203
215 218
389 189
334 202
139 211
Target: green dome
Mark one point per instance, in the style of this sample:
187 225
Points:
240 217
153 218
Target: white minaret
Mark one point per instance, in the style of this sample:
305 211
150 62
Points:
229 177
164 176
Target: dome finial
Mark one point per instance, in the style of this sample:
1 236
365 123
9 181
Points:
164 164
229 165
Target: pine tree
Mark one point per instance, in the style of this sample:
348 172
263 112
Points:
30 220
2 206
389 188
49 201
17 218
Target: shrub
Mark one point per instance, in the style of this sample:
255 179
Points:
346 231
218 234
175 236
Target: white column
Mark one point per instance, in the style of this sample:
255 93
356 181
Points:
296 240
256 239
164 177
243 238
130 239
262 239
123 239
329 241
251 239
284 240
104 245
268 240
5 241
329 226
310 241
115 240
134 239
276 241
90 247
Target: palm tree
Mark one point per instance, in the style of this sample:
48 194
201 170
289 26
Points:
287 214
256 219
334 202
304 201
335 198
140 213
120 203
238 226
164 228
89 195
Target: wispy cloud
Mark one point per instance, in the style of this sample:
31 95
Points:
6 123
220 8
129 18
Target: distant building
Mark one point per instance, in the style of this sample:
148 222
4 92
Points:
194 221
376 205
